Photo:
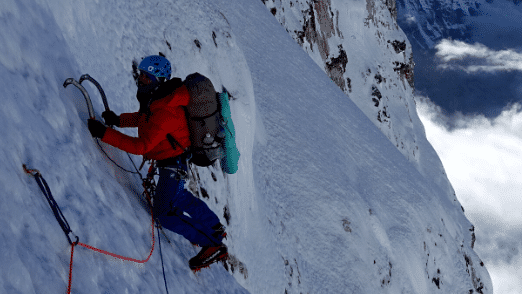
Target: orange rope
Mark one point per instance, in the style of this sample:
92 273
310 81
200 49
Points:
70 269
147 187
120 256
112 254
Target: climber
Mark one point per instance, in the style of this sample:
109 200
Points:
161 113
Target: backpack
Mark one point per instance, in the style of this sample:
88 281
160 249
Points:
209 121
203 120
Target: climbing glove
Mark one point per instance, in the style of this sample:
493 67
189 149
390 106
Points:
111 119
96 128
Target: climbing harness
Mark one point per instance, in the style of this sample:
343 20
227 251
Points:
180 173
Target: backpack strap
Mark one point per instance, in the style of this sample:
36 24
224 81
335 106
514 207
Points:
201 118
174 143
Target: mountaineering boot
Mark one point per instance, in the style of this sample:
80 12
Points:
207 256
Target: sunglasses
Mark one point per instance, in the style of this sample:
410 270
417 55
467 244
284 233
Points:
146 78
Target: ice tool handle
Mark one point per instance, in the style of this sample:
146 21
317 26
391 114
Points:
102 93
70 81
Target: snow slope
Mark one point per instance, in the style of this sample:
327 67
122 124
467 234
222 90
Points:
322 202
359 45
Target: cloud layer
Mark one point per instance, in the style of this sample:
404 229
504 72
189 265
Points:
483 160
476 57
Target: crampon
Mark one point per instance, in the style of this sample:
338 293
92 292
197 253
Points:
208 256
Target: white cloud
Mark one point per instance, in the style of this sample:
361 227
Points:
484 59
411 19
483 160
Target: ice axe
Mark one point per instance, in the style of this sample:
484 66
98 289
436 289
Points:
72 81
102 93
86 94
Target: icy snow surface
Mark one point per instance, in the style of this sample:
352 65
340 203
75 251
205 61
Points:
322 202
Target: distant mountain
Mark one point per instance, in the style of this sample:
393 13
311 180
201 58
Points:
427 22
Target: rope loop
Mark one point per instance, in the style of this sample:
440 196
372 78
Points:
77 240
32 172
69 233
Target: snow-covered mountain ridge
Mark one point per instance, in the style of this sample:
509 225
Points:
362 49
322 202
335 34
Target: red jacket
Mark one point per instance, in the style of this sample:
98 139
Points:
168 117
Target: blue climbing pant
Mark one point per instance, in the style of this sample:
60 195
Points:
180 211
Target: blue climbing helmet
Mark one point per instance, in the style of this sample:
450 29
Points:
157 66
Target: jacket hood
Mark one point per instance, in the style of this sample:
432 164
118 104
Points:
161 98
